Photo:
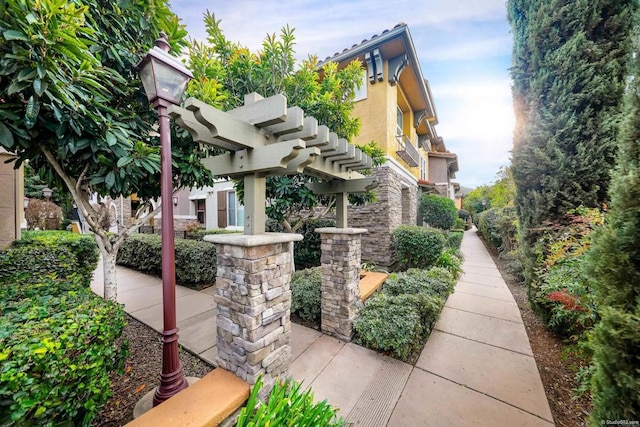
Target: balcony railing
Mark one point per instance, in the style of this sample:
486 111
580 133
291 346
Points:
408 152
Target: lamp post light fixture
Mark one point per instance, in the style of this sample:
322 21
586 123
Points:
47 193
165 79
25 202
175 201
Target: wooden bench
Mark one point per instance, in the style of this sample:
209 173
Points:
208 402
370 281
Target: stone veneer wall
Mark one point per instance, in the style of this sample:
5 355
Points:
253 296
340 265
386 214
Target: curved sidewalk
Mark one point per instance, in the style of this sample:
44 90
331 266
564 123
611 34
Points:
477 367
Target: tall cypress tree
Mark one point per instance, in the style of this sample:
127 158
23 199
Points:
569 70
615 263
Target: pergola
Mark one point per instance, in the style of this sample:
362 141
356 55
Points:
266 138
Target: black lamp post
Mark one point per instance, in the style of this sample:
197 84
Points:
165 79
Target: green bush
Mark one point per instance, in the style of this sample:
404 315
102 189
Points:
37 263
417 247
499 227
83 247
443 275
415 281
198 234
195 260
565 298
450 260
57 348
387 323
306 293
454 238
437 211
287 405
306 252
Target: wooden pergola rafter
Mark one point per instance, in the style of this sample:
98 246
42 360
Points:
266 138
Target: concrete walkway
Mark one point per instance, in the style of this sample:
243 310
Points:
476 369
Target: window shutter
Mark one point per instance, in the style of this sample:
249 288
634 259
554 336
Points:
222 209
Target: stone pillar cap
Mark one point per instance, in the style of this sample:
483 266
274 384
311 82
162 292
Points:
249 240
335 230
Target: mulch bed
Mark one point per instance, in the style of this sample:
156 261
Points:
141 373
556 362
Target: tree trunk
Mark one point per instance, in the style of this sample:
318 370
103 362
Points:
109 273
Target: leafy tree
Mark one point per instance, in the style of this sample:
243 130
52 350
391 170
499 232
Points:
72 104
569 69
500 194
615 264
225 71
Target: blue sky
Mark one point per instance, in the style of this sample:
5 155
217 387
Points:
464 48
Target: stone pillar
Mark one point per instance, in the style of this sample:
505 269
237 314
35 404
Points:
253 296
340 279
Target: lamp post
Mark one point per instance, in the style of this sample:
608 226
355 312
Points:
47 193
165 79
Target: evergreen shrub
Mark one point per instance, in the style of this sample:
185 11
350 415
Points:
416 281
58 347
83 246
417 247
387 323
306 293
454 238
199 233
306 252
195 260
437 211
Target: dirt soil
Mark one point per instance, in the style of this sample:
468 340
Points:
556 363
141 373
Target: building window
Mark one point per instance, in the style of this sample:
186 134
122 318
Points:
201 210
235 211
423 168
399 122
361 93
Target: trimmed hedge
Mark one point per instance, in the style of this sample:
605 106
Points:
417 247
306 252
82 247
198 234
195 260
57 347
306 293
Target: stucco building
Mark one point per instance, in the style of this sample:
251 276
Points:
397 111
11 200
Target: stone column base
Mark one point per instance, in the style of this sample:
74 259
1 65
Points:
340 279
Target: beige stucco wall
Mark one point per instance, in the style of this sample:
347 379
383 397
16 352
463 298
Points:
377 113
11 200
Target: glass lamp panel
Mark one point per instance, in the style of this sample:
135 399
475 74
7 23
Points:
171 83
148 80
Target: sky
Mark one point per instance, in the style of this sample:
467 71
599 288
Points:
464 48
